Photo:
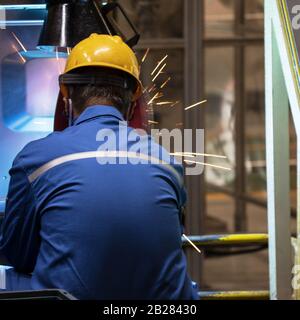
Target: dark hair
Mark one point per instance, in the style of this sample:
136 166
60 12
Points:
85 95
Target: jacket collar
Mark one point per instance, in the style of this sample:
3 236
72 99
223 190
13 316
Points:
98 111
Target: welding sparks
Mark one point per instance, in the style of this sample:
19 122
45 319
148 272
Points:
191 243
145 89
154 98
165 83
152 88
19 42
183 156
153 122
22 58
199 154
195 105
175 103
159 64
208 165
159 72
164 103
145 55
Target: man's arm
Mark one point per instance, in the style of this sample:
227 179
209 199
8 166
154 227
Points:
191 288
19 237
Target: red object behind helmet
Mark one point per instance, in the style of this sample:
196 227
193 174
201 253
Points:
140 119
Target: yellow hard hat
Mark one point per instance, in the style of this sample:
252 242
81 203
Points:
104 51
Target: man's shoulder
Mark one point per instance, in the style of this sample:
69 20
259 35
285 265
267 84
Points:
39 145
40 151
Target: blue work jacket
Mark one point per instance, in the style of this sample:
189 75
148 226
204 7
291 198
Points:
79 218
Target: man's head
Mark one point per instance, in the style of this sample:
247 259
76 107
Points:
103 70
118 96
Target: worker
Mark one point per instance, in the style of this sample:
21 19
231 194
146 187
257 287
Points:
76 221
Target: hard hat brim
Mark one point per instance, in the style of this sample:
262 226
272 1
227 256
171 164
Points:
137 93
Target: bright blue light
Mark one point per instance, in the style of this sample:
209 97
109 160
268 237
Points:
23 7
43 54
27 123
15 23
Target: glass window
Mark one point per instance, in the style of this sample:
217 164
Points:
255 149
156 18
219 18
220 123
254 17
220 209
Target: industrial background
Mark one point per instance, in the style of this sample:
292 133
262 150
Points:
214 51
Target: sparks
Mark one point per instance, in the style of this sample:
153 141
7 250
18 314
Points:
182 155
200 154
22 58
165 83
175 104
195 105
164 103
19 42
152 88
208 165
159 72
145 89
159 64
152 122
191 243
145 55
155 97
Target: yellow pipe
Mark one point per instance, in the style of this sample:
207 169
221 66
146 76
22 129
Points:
235 295
231 239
